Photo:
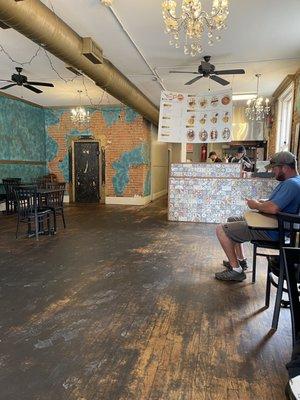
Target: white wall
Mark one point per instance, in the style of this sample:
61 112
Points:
159 165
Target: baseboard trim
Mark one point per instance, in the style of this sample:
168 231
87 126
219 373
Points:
159 194
130 201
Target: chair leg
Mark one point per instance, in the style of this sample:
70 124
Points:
278 295
254 263
63 218
36 223
268 288
18 222
54 220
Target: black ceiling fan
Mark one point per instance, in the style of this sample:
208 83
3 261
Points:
21 80
207 70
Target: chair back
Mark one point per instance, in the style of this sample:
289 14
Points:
9 185
55 199
27 200
292 272
56 185
289 229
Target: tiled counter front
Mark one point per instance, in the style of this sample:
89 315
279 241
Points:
213 200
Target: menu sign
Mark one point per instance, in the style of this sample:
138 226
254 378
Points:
192 118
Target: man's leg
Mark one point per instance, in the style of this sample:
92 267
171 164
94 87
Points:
239 251
228 246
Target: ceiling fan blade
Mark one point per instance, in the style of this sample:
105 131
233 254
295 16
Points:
33 89
183 72
219 80
193 80
8 86
41 84
230 72
5 80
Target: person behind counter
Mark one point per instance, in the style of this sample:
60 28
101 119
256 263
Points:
213 157
241 158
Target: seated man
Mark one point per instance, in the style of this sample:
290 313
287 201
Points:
285 197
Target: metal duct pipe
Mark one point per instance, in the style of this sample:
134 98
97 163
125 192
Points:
37 22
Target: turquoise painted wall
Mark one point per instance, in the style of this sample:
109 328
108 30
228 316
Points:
22 137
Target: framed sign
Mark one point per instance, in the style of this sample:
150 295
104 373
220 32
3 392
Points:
189 118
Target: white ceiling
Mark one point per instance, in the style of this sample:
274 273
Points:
262 37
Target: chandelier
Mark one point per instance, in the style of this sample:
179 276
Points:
193 21
258 108
79 115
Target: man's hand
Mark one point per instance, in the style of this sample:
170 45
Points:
263 206
253 204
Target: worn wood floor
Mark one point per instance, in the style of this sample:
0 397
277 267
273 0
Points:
123 305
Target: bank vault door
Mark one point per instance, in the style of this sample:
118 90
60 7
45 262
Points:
86 172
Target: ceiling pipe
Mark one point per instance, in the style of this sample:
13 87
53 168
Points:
38 23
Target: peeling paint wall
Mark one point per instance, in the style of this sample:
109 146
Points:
22 139
29 133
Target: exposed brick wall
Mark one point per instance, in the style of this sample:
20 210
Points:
119 136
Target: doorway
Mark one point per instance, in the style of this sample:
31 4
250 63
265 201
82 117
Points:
86 171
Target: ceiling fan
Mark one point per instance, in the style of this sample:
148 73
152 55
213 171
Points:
207 70
21 80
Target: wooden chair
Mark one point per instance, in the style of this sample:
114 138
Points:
30 213
10 200
289 236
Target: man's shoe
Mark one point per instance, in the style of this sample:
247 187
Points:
292 389
242 263
230 275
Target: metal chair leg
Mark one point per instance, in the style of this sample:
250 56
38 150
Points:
63 218
278 295
268 288
254 263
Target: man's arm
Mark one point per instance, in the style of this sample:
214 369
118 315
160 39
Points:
267 207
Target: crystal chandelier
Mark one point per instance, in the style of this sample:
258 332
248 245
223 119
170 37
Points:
257 109
79 115
193 21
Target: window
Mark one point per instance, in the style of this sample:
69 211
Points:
284 121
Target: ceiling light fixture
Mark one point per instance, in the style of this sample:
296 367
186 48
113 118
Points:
193 21
258 108
79 115
107 3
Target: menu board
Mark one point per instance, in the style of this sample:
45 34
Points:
189 118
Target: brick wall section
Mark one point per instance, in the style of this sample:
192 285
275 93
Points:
118 138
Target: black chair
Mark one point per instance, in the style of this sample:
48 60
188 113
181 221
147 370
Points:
289 236
55 200
30 213
264 245
10 199
291 258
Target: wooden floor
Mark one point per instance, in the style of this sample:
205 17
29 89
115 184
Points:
124 305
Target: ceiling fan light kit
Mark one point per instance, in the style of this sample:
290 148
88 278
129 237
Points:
208 70
21 80
193 21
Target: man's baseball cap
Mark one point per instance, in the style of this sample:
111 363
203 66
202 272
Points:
281 158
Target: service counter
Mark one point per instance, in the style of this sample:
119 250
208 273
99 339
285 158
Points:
212 192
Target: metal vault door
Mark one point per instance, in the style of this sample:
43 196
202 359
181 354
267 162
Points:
86 172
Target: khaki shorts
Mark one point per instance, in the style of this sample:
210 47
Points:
238 231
